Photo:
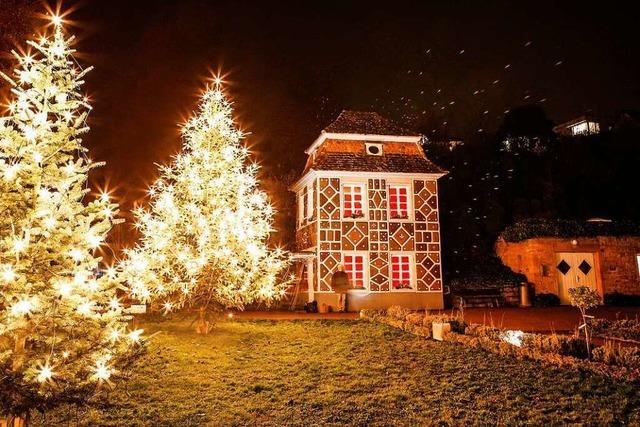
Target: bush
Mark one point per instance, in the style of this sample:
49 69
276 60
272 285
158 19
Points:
478 330
373 313
546 300
415 319
398 312
541 227
486 273
628 329
622 300
558 344
584 298
613 354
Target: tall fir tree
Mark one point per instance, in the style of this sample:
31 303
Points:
204 237
63 335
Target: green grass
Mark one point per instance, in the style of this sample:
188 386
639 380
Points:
307 373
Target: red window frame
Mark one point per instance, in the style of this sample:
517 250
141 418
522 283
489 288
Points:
401 271
352 201
399 202
354 265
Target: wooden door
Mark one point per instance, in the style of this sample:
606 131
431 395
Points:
574 269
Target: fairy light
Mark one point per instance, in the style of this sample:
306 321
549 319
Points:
45 374
49 222
22 307
65 288
19 245
134 336
56 20
101 371
94 240
7 273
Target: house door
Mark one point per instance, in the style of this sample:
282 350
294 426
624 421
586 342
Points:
574 269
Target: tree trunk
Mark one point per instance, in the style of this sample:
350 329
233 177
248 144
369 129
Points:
586 335
19 352
19 356
13 421
203 326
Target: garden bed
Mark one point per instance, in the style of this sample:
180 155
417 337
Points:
610 359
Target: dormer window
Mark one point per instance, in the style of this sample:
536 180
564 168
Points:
373 149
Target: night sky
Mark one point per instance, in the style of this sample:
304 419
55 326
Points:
440 67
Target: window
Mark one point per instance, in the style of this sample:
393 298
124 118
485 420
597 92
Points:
301 204
585 128
352 201
354 266
310 196
373 149
401 271
305 204
398 202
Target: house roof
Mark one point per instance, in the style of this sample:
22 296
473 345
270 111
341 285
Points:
360 162
366 123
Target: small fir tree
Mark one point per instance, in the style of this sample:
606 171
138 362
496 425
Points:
62 331
204 236
584 298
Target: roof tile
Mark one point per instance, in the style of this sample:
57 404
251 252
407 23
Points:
366 123
358 162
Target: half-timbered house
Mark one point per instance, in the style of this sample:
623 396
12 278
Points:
368 199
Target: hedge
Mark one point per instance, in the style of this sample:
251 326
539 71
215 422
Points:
565 228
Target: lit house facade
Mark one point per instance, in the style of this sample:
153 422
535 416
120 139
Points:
580 126
368 199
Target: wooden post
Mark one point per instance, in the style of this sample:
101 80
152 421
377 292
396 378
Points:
310 273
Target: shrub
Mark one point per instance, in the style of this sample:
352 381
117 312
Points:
489 272
622 300
615 354
628 329
559 344
546 300
373 313
398 312
415 319
541 227
584 298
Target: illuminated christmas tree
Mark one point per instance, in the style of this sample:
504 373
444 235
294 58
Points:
204 238
63 336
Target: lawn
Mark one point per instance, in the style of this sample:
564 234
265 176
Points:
305 373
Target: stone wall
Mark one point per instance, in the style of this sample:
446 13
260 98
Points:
615 259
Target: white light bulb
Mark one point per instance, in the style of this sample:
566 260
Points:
45 374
